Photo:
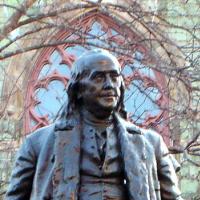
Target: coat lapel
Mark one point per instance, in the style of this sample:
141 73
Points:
133 149
67 153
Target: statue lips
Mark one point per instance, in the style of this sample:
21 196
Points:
108 96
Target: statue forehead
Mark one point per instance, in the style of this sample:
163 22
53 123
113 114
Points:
94 60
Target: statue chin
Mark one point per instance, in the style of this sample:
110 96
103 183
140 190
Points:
107 104
100 111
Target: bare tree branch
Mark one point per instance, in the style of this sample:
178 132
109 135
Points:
12 22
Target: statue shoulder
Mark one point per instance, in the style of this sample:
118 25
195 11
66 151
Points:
129 126
42 133
149 134
152 136
41 137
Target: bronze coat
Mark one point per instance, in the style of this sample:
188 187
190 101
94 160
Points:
47 164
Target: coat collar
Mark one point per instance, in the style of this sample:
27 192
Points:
127 125
67 159
67 123
70 123
133 147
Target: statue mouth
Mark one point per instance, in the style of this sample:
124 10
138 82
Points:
108 94
109 97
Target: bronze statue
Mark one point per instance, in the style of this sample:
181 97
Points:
92 152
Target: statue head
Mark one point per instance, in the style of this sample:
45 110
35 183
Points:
96 83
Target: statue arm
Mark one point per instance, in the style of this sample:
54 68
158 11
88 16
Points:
166 174
22 176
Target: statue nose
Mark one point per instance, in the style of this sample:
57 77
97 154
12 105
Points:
108 84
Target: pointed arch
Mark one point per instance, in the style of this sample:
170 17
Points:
146 91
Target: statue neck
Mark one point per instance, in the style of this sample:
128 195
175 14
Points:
92 119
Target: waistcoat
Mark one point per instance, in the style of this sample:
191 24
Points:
100 179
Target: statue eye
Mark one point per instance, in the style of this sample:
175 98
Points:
98 77
114 76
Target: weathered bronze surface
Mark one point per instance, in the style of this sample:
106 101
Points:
92 152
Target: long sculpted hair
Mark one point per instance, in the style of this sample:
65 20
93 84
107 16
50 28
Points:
78 72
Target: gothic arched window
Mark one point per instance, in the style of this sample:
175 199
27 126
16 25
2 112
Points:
144 96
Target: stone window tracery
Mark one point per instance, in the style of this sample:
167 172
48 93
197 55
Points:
144 97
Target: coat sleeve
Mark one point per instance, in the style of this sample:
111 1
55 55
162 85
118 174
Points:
23 172
166 173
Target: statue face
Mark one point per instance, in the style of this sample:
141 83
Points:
101 88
